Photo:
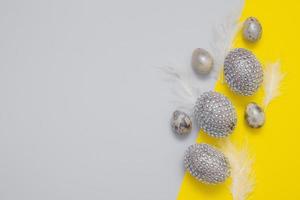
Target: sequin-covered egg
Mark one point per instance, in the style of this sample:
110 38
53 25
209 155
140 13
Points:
215 114
181 123
206 163
243 72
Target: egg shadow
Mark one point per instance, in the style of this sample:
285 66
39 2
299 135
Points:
209 190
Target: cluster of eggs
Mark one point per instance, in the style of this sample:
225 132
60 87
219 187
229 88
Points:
214 113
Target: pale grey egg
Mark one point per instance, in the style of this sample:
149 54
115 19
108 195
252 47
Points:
215 114
243 72
206 163
254 115
202 61
252 29
181 123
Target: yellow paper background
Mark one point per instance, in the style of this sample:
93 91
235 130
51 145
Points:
276 146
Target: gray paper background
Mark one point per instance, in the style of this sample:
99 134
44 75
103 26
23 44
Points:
84 112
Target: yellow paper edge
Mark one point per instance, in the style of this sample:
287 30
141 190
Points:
275 146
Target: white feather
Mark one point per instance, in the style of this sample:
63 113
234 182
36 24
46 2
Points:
184 88
241 169
189 87
223 36
272 79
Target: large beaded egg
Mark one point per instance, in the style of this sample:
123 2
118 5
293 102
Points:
243 72
206 163
215 114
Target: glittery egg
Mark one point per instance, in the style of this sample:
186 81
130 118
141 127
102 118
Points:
243 72
202 61
252 29
206 163
254 115
215 114
181 123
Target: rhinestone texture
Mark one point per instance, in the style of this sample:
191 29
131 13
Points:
254 115
181 123
243 72
206 163
215 114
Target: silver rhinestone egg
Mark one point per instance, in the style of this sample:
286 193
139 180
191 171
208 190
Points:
202 61
215 114
252 29
254 115
206 163
181 123
243 72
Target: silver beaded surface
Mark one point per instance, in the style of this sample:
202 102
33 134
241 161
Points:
243 72
181 123
206 163
215 114
252 29
202 61
254 115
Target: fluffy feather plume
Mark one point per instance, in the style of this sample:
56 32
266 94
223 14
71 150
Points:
184 88
241 169
272 80
223 37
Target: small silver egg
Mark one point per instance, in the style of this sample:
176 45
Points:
252 29
206 163
181 123
254 115
202 61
